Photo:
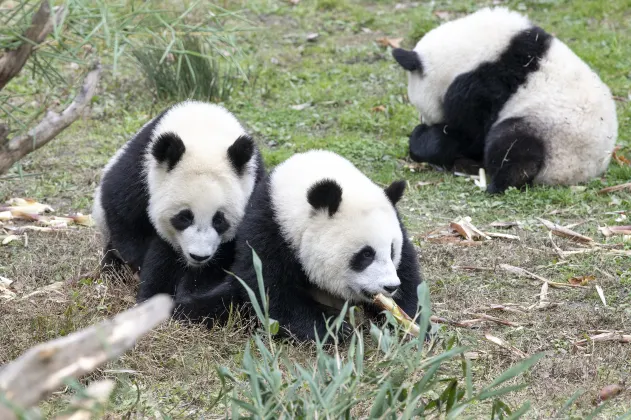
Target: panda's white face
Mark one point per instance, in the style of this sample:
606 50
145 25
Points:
353 254
343 227
199 220
201 172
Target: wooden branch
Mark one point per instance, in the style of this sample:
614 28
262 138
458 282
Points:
45 367
11 62
50 126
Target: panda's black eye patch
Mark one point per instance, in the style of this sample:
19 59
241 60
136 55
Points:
220 224
183 219
363 258
392 251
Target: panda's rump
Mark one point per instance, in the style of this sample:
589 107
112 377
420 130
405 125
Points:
567 106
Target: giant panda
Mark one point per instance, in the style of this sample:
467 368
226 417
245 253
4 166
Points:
171 199
325 234
494 88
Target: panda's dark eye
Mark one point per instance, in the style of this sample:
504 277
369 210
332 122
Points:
392 251
183 219
220 224
363 258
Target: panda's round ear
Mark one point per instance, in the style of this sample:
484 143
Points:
168 148
241 152
395 191
325 195
409 60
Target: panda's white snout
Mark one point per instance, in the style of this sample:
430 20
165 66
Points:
199 247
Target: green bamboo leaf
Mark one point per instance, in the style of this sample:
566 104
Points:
520 411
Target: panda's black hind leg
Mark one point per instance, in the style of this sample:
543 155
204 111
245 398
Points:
435 144
513 156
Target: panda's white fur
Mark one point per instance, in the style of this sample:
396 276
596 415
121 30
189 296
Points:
185 178
325 245
563 102
203 180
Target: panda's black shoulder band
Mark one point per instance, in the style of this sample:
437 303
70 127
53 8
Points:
409 60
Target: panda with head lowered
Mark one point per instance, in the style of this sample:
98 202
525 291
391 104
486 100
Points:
494 88
171 199
325 234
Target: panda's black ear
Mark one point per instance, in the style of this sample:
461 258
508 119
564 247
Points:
409 60
395 191
325 195
169 148
241 152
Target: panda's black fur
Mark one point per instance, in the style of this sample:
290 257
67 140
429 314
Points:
133 239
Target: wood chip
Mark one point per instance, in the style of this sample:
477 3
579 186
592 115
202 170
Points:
544 302
616 188
498 320
508 307
460 324
504 225
601 294
466 229
581 280
609 231
605 337
502 236
5 289
565 232
26 205
390 42
481 181
525 273
7 239
503 344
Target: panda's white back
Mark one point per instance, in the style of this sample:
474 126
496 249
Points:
457 47
568 105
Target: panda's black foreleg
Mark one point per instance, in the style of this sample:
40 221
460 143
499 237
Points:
161 270
513 156
210 305
437 144
111 261
302 318
128 246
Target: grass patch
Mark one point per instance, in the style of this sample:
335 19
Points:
343 76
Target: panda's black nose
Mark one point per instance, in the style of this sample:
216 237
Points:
199 258
390 289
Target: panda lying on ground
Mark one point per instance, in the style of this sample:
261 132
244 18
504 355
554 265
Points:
325 234
171 199
493 87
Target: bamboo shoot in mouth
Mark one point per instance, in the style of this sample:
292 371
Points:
402 318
